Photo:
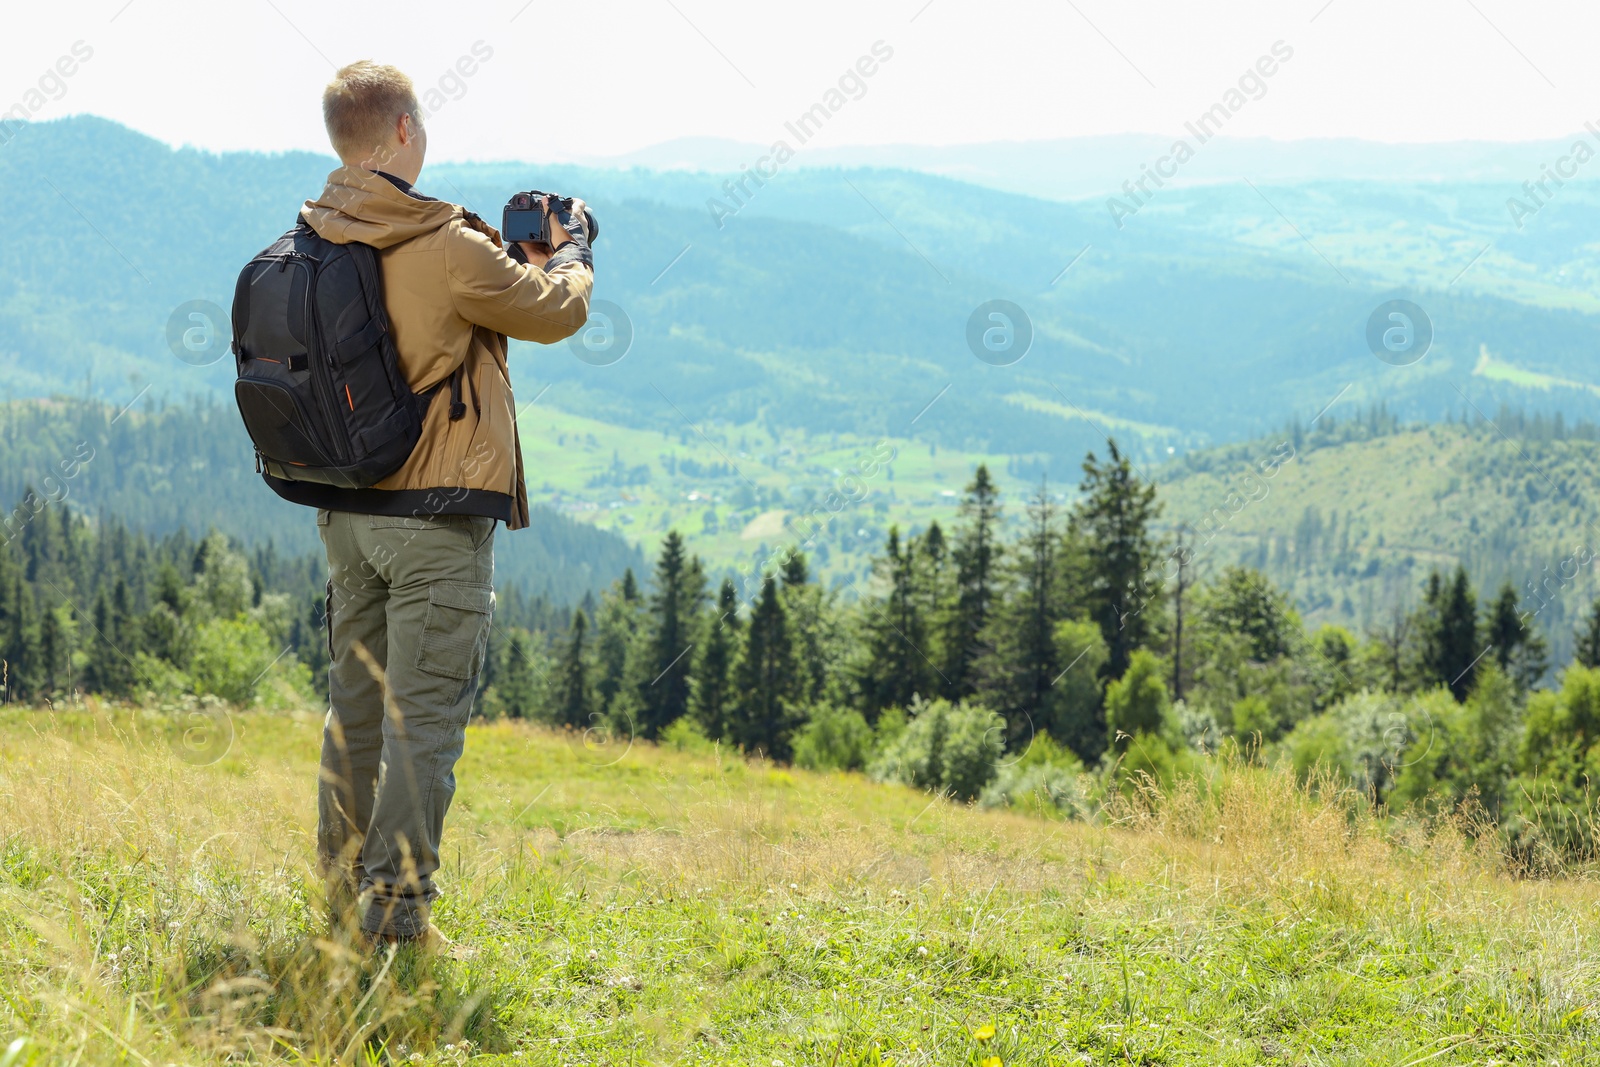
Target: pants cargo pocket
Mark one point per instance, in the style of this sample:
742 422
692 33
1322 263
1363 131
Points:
455 634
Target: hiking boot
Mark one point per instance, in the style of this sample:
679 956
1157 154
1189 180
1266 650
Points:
431 942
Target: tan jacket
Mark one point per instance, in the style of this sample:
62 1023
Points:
453 297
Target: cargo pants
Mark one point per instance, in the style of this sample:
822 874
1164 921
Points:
410 599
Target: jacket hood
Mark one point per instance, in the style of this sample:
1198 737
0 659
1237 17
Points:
361 205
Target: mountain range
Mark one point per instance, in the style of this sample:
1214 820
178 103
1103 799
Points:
781 327
838 300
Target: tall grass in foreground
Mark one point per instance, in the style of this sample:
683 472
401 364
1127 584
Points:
684 907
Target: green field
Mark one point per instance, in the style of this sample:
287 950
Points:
731 489
634 905
1500 371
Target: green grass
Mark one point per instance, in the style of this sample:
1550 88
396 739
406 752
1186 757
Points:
618 904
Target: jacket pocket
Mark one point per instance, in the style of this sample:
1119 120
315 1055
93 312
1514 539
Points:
455 634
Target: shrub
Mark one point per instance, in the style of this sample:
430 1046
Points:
685 736
1072 711
1466 752
1317 746
1151 759
1047 778
1041 787
947 748
230 658
890 725
1371 737
834 739
1551 809
1138 703
1198 727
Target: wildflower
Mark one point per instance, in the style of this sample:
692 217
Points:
922 950
984 1032
993 1061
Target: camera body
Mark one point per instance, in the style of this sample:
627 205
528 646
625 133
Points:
526 217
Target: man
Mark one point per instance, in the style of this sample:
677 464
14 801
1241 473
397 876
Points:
411 559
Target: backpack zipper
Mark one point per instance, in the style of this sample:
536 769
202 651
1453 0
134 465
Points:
320 364
321 389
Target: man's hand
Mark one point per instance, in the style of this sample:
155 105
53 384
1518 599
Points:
535 254
539 253
559 233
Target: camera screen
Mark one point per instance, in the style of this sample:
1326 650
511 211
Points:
522 225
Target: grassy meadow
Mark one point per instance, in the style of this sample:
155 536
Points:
629 904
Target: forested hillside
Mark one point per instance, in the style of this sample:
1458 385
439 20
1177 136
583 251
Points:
164 467
1347 516
1354 513
838 302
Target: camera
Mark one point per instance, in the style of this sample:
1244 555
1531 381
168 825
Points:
525 217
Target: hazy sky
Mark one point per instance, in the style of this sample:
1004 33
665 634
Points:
606 77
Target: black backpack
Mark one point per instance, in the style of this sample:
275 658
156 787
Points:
320 387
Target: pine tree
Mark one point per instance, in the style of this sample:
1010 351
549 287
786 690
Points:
1017 671
976 554
616 635
1393 642
1447 629
811 619
896 667
52 644
22 642
1182 559
674 605
934 590
1519 649
95 679
574 702
763 716
517 686
795 571
1112 522
1587 648
710 695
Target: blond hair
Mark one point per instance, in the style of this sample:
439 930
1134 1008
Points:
362 103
